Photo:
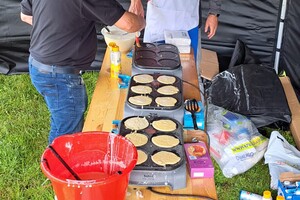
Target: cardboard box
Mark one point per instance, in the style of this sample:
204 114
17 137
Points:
294 107
199 161
209 65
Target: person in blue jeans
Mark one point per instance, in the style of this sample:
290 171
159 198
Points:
63 45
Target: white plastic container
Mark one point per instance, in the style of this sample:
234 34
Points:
181 39
124 40
177 37
245 195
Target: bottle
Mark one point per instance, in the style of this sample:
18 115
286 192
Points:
267 195
245 195
279 198
115 60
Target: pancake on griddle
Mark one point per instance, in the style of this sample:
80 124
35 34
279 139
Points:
163 158
142 157
143 78
165 141
141 89
140 100
136 123
138 139
165 101
168 90
165 125
166 79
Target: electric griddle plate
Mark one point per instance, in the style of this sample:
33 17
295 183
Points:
149 148
156 56
154 85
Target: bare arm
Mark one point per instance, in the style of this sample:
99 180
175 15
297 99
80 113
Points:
130 22
26 18
136 7
211 25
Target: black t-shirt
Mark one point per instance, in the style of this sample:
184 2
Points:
64 30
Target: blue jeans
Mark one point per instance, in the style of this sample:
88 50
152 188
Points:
65 96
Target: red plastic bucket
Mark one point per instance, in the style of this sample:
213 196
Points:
103 161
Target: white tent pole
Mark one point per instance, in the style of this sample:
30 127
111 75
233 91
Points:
280 35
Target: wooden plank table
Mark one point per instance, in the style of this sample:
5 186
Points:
107 104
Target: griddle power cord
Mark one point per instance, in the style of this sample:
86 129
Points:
206 107
179 195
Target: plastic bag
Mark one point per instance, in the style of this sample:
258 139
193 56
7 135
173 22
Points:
235 142
251 90
281 157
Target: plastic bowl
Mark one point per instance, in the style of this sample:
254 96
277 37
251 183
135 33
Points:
124 40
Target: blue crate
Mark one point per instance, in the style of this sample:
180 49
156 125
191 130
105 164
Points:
200 118
289 192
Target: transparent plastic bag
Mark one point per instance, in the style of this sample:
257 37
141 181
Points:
235 142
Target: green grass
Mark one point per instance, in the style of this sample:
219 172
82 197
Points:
24 127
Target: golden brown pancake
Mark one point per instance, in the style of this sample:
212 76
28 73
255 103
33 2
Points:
137 139
140 100
143 78
141 89
164 158
165 125
136 123
165 101
166 79
168 90
165 141
142 157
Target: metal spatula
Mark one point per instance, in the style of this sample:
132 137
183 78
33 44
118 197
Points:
192 106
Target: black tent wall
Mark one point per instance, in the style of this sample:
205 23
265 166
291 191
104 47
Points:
14 38
290 49
253 21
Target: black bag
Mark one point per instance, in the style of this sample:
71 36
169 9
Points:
253 90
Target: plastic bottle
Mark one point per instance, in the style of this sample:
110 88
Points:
115 60
279 198
245 195
267 195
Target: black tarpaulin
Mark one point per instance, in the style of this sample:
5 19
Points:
290 49
14 38
253 21
253 90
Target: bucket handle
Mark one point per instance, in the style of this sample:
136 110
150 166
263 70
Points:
63 162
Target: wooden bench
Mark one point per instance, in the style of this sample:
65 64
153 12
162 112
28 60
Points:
107 104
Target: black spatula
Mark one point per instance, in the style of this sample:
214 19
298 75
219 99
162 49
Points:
192 106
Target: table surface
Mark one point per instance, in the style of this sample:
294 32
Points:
107 104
